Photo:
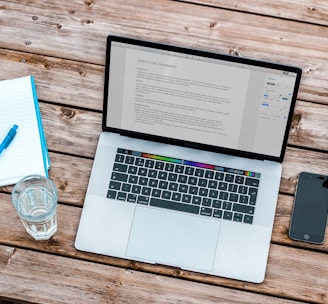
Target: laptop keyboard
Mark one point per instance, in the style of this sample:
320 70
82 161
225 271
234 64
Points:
186 186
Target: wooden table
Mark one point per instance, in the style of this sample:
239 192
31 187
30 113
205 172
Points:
62 43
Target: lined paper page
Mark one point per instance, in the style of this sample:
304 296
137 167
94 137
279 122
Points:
24 155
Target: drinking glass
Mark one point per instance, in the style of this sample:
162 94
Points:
35 200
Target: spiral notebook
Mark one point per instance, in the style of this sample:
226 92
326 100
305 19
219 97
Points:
27 154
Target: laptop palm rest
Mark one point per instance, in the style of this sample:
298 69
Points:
165 237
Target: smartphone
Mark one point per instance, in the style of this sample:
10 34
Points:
309 217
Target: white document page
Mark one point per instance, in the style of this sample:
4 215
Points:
24 156
185 99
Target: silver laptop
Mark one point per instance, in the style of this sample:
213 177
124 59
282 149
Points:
188 166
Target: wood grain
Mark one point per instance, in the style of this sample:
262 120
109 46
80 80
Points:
62 43
284 273
94 283
78 32
312 11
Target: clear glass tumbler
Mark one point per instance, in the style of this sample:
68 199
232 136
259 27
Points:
35 200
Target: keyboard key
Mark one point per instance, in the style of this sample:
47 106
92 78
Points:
226 205
163 185
248 219
162 175
139 161
156 193
223 186
159 165
196 200
229 178
166 194
207 202
223 195
199 172
179 169
120 167
189 170
193 190
143 181
209 174
136 189
186 198
142 171
133 179
213 184
121 196
217 204
173 177
213 193
252 182
233 188
152 173
146 191
143 200
182 179
174 205
243 208
119 158
169 167
202 182
129 160
122 177
242 189
233 197
176 196
243 199
115 185
217 213
219 176
227 215
192 180
126 187
111 194
206 211
203 191
239 179
132 198
133 170
238 217
153 183
173 186
183 188
149 163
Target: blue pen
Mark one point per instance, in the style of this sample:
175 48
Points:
8 139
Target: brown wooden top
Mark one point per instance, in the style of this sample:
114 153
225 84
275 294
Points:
62 44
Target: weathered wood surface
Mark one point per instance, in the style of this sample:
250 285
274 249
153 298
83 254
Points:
62 43
77 30
285 274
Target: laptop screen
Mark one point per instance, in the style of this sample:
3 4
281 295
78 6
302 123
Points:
200 99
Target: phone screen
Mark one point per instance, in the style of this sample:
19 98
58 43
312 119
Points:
309 217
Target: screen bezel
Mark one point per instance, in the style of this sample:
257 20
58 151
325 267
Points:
196 52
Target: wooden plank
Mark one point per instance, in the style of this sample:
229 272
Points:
285 273
78 32
310 126
65 280
312 11
57 80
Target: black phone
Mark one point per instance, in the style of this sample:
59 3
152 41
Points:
309 217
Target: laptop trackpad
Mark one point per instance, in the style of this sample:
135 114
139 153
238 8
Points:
181 240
